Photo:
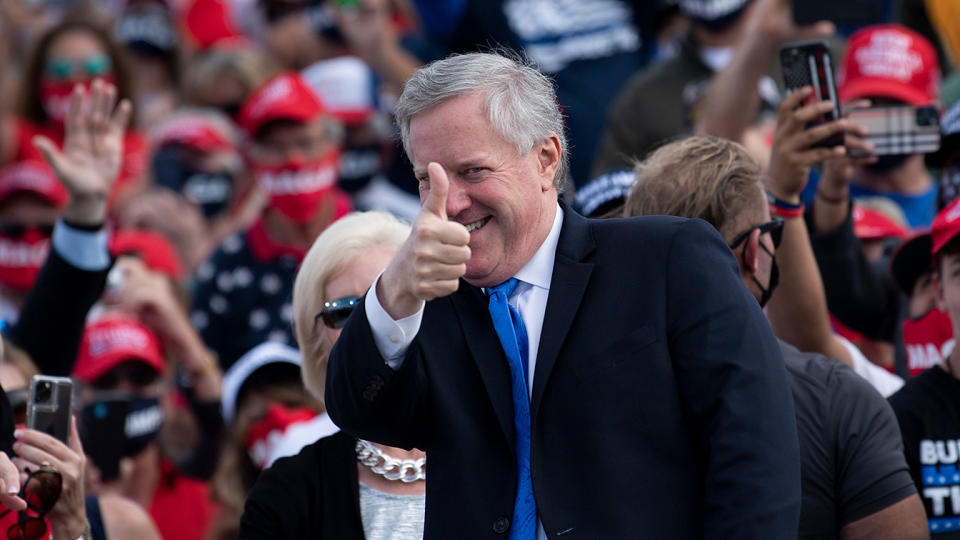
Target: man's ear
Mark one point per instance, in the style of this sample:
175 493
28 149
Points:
751 252
549 154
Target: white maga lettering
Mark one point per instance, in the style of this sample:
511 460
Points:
928 452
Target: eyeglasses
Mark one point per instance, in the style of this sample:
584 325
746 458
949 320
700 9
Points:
16 231
774 227
134 371
335 313
41 491
66 68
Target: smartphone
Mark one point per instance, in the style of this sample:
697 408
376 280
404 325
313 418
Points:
50 406
101 423
810 64
900 129
848 13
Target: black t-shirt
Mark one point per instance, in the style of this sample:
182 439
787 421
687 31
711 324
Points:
851 455
928 408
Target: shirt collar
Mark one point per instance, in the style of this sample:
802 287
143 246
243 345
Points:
539 269
265 250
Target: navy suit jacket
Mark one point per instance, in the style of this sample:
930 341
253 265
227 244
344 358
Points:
660 407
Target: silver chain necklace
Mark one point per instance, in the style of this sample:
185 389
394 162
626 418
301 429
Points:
391 468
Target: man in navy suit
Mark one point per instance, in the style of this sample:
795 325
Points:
567 377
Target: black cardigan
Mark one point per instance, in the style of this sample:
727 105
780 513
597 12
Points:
314 494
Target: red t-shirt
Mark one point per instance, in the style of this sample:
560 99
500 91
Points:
181 507
131 169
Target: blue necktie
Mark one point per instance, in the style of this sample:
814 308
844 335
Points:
513 337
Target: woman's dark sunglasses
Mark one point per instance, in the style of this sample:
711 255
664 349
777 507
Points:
18 230
41 491
336 312
774 227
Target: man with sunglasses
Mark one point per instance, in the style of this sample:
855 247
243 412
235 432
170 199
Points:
854 477
551 366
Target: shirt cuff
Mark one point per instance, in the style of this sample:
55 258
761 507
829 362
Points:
85 250
391 337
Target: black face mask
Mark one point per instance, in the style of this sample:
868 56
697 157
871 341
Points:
887 163
358 165
119 427
767 292
212 192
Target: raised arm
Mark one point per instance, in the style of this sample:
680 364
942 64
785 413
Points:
798 311
732 101
74 274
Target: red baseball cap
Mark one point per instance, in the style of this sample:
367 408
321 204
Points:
153 248
32 177
889 61
285 97
198 130
945 226
113 340
870 224
209 23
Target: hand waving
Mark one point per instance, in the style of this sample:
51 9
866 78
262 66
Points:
92 150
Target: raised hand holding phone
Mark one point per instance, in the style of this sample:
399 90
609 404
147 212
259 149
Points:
433 259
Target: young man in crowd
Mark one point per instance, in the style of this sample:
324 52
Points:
855 483
243 293
889 65
928 406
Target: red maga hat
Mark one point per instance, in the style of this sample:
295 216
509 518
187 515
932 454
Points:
889 61
945 226
153 248
285 97
870 224
32 177
112 341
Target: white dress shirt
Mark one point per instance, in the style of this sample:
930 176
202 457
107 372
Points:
393 337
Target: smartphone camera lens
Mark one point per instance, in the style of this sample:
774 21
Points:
44 392
926 116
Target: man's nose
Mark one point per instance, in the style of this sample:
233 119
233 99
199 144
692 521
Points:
458 199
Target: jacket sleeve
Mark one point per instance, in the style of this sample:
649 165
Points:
367 398
735 392
856 295
57 305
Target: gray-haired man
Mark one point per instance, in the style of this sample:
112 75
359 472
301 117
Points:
567 377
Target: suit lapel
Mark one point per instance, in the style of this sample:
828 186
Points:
470 304
567 286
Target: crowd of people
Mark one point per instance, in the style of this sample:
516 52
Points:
590 258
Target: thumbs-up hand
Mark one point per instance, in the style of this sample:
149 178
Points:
433 259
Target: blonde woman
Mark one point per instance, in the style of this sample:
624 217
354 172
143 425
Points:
339 487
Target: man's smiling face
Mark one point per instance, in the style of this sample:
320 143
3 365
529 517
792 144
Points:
506 201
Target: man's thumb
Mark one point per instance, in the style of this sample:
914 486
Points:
436 201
